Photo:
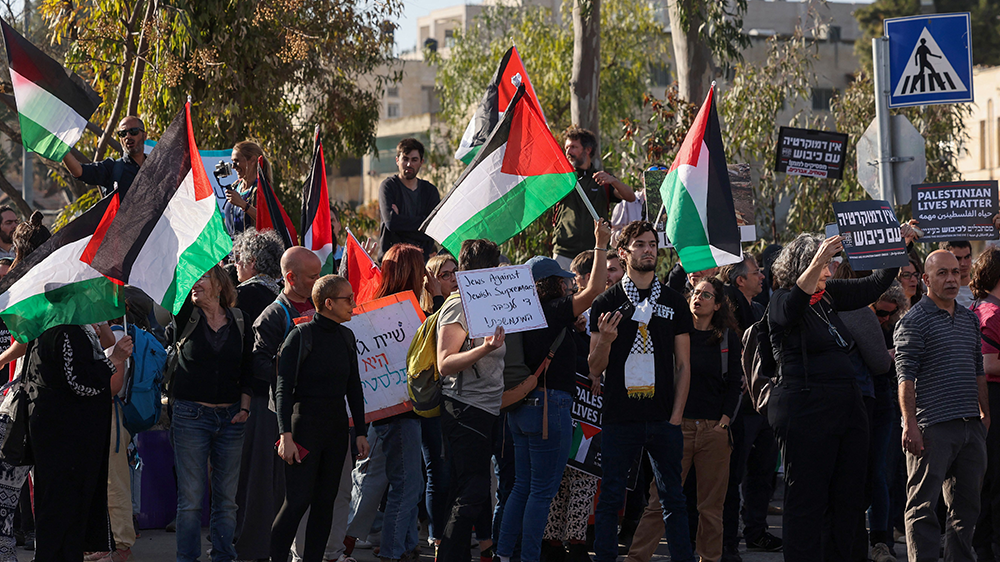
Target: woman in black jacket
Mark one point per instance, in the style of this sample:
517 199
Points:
816 409
317 368
211 391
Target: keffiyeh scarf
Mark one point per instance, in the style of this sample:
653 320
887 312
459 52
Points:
640 367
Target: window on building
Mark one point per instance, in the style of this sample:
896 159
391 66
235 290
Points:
349 167
392 92
821 98
392 110
449 38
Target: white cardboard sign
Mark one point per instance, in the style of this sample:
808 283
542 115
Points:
500 296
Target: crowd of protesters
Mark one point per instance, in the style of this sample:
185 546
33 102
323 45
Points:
878 421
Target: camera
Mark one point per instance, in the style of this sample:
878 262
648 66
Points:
223 170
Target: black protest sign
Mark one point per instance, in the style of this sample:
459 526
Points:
960 210
585 451
871 235
814 154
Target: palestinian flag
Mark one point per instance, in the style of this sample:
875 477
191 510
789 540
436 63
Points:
317 232
509 75
270 213
362 272
54 286
168 231
519 173
701 218
53 104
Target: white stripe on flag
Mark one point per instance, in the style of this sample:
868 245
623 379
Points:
695 182
46 110
62 267
179 227
484 185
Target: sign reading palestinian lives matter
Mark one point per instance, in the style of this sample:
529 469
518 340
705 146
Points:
814 154
585 451
871 235
500 296
960 210
383 329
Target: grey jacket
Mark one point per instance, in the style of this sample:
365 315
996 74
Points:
864 326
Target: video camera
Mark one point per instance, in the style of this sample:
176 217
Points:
223 170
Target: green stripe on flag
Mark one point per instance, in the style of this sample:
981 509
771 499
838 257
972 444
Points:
84 302
40 140
469 156
684 228
328 266
208 249
498 222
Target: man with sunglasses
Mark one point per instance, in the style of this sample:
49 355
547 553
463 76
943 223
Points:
110 172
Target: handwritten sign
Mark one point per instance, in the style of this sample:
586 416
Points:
955 211
500 296
585 452
871 235
814 154
383 329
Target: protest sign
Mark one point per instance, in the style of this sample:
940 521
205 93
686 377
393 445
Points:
871 235
383 329
585 451
814 154
960 210
500 296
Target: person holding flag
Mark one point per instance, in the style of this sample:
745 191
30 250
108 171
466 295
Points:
114 172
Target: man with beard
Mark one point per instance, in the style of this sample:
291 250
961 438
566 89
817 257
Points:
640 341
405 202
574 232
111 171
8 222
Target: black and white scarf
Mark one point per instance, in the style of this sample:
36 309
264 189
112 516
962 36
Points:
640 367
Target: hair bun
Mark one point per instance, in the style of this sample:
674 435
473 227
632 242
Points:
36 218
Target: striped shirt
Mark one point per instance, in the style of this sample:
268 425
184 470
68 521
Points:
942 354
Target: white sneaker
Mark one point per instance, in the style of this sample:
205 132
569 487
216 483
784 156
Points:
881 553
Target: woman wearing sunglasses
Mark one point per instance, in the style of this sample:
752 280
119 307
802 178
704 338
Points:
240 208
816 410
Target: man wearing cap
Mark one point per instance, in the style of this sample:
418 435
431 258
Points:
542 426
110 171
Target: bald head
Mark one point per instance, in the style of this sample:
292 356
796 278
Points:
942 276
300 268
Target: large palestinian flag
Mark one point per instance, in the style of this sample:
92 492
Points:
701 218
317 230
519 173
54 286
168 231
270 213
53 104
501 89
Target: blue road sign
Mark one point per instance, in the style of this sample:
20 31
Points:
930 59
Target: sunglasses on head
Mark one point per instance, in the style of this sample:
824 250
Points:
132 131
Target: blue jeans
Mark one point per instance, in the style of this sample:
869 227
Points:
436 491
369 484
539 465
620 445
202 434
401 445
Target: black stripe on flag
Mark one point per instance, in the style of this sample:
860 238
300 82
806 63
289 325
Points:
79 228
723 232
496 140
29 61
154 186
488 112
311 190
266 196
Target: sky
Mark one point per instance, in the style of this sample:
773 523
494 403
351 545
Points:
406 34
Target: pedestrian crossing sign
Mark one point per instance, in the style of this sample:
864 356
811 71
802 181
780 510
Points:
930 59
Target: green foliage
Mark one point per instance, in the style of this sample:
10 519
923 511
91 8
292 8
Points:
268 70
76 208
721 27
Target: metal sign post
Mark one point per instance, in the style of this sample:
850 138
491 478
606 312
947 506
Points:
880 54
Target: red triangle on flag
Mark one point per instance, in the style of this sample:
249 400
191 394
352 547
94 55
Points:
589 431
691 148
531 150
270 213
362 272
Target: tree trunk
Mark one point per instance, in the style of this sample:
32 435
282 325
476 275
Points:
102 143
585 83
135 91
15 196
692 56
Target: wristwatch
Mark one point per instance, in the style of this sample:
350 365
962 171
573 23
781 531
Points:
724 425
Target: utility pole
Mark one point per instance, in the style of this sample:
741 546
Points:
880 54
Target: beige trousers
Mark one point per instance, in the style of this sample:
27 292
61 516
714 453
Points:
120 485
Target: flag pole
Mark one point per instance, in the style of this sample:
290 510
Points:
586 201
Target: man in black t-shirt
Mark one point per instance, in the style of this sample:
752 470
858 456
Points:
640 341
405 202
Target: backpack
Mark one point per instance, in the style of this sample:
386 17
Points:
140 407
759 365
423 380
